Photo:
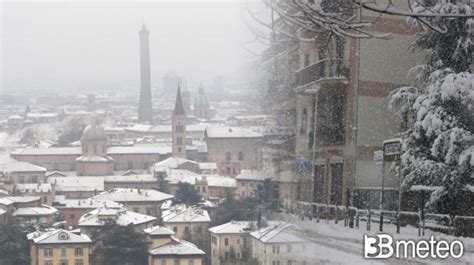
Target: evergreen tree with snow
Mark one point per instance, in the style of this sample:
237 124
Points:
438 143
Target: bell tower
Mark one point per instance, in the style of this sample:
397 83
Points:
178 120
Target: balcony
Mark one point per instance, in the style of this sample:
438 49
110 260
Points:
323 70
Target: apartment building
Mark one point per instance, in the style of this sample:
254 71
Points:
59 247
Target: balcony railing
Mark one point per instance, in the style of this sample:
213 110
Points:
321 70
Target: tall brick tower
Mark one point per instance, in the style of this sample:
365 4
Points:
145 111
178 120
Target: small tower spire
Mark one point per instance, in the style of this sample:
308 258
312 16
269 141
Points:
178 105
178 120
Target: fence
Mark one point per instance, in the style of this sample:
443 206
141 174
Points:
459 226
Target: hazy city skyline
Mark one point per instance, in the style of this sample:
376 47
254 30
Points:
86 45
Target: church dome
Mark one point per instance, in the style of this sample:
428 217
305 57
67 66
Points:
93 132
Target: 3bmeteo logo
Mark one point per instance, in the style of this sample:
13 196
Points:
382 246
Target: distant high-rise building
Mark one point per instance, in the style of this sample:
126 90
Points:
178 120
187 100
170 80
145 111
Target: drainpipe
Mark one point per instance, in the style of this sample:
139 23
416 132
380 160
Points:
355 105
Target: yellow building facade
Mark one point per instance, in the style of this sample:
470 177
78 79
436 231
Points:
59 247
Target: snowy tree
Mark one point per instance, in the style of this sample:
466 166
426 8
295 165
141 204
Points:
438 145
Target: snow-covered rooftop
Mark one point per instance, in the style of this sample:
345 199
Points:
131 178
94 158
77 183
133 195
20 166
112 150
89 203
175 176
33 187
121 216
158 230
276 233
257 175
177 247
58 236
231 132
232 227
183 214
35 211
18 199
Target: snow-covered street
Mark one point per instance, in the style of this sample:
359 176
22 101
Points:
336 244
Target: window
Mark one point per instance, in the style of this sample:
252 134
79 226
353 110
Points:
149 211
176 262
199 230
227 170
63 252
203 189
163 262
63 262
288 248
45 199
72 216
79 262
179 149
228 156
136 209
191 262
22 179
175 229
79 251
304 118
306 60
179 128
146 165
226 241
238 241
276 249
103 149
34 179
48 262
214 240
95 149
130 165
179 140
48 252
241 156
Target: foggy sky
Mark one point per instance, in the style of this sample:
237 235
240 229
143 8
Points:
86 45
